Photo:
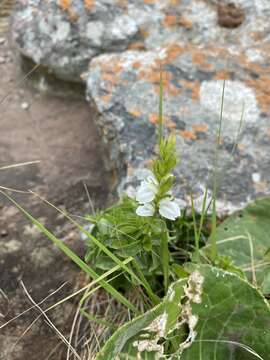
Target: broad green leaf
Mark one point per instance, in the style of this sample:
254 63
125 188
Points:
233 319
212 315
245 238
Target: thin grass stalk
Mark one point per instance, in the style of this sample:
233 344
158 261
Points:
214 252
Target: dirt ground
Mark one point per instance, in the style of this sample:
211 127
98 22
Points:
58 132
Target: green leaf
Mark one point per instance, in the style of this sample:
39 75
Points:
179 271
145 329
233 319
212 315
244 237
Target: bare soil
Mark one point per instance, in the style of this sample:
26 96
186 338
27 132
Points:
58 132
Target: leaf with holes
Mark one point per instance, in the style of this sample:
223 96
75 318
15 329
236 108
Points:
244 237
233 319
144 337
213 314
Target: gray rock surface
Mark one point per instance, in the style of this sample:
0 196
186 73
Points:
126 100
64 35
198 43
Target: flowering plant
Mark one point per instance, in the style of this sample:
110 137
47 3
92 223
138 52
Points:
154 194
142 227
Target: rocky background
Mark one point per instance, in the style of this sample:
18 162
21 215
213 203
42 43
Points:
117 49
112 52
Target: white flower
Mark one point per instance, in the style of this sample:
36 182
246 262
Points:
147 190
169 209
145 210
147 193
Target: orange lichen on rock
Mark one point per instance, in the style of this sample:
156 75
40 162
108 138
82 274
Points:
137 65
188 135
149 2
170 124
199 58
65 4
241 147
222 75
170 20
114 66
202 128
153 118
89 4
256 35
185 22
153 74
72 15
122 3
172 52
194 86
171 89
137 45
109 77
143 32
106 98
135 112
262 91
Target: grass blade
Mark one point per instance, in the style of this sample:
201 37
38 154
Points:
78 261
103 248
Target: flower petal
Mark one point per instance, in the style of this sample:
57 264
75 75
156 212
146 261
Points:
145 210
146 193
152 179
169 209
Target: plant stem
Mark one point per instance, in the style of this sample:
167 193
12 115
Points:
165 257
160 110
196 234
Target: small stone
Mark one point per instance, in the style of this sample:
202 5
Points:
256 177
2 60
25 105
42 257
2 41
4 233
230 16
11 246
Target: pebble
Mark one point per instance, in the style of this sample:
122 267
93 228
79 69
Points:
256 177
2 41
4 233
25 105
2 60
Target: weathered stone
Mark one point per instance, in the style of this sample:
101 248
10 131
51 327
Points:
124 90
64 35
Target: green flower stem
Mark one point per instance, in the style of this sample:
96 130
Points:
165 257
160 110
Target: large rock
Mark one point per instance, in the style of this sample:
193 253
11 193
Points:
124 89
198 43
65 34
